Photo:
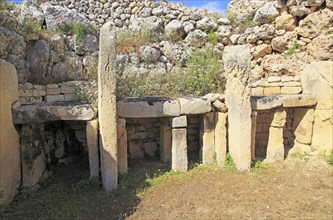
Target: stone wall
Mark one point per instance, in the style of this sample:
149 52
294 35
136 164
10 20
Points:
285 85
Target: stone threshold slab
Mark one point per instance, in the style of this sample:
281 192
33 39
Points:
53 112
286 101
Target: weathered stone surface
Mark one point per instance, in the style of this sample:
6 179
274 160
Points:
107 107
298 101
179 122
122 146
179 160
266 14
92 142
208 138
221 137
303 125
196 38
220 106
33 155
54 98
241 10
320 47
56 15
149 54
275 147
153 107
53 112
285 22
174 30
166 141
299 148
236 60
10 166
291 90
194 106
317 80
264 103
38 55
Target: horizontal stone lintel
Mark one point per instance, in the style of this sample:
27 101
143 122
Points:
53 112
287 101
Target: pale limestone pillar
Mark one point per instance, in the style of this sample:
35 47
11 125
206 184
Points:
275 147
92 142
122 147
166 141
221 137
253 134
10 166
179 161
208 138
32 153
236 61
107 110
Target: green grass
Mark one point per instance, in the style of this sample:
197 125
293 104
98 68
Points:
213 37
78 30
6 5
259 166
229 163
330 159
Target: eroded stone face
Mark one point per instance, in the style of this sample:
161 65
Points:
236 60
10 170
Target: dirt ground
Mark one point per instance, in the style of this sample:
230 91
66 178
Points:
293 189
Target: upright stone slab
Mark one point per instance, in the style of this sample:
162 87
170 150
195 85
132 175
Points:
122 146
208 138
107 109
32 153
179 150
92 142
236 60
221 137
253 134
166 141
275 147
317 80
10 167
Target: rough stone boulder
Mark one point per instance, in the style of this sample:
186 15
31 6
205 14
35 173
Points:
317 23
196 38
175 30
266 14
321 47
155 24
10 166
57 15
241 10
38 55
317 80
206 24
149 54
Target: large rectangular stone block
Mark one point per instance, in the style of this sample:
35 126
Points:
92 142
179 122
166 142
208 138
179 150
122 146
221 137
194 106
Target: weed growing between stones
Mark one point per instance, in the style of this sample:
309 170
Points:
293 50
330 159
213 37
259 166
79 30
229 163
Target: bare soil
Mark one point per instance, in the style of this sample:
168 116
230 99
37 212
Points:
292 189
295 189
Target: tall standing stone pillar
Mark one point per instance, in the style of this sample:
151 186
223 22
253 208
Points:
221 137
236 61
92 142
122 146
107 109
253 134
275 147
10 167
208 138
179 161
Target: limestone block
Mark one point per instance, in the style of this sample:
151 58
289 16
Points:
208 138
10 166
53 91
148 108
258 91
291 90
236 61
31 100
92 142
122 146
42 113
194 106
71 97
299 148
179 160
107 106
33 155
36 92
272 79
135 150
220 106
303 125
272 90
322 138
298 101
275 147
54 98
179 122
25 92
221 137
253 133
52 86
166 142
39 87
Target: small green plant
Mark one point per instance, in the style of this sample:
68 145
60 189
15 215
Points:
88 93
213 37
6 5
229 163
330 159
89 184
259 166
292 50
78 30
